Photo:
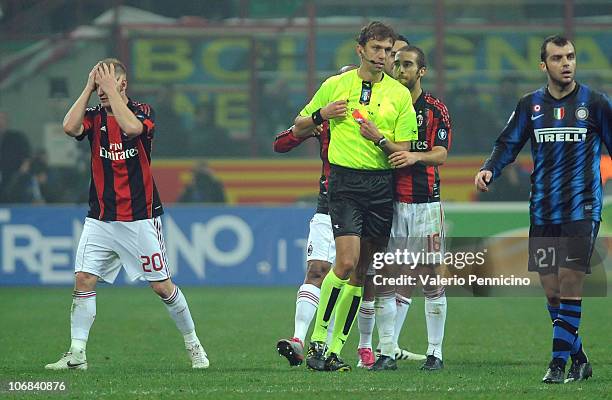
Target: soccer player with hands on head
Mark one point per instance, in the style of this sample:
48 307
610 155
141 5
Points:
123 226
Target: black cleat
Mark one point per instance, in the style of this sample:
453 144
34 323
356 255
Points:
292 349
432 363
335 363
580 356
384 363
579 371
315 357
555 372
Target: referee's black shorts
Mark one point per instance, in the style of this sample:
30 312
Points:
569 245
361 202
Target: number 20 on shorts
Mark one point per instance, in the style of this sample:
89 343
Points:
155 262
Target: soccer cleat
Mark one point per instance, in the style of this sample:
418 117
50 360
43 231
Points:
405 355
579 371
199 359
432 363
580 356
555 372
334 363
315 357
384 363
366 357
292 349
70 360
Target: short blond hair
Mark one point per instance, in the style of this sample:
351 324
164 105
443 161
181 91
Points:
119 66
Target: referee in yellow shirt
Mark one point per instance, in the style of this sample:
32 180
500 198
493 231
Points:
370 116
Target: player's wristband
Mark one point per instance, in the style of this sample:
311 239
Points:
317 118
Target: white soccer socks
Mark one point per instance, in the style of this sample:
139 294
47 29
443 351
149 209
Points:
179 311
386 310
365 321
435 317
305 309
82 316
402 305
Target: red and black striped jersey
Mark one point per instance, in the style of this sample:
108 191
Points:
121 186
420 183
286 141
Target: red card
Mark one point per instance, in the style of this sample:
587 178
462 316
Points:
358 117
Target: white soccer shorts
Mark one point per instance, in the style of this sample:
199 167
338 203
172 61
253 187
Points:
137 246
417 228
321 245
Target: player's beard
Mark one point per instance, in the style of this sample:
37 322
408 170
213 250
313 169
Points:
409 83
560 83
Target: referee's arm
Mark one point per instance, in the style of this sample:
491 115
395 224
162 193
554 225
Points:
303 123
335 109
369 131
391 147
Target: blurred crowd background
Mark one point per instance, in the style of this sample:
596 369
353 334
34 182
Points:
225 76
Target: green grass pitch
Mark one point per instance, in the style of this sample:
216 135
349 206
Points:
495 348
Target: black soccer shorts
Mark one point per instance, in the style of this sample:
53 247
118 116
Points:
361 202
569 245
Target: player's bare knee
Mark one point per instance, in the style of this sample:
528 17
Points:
571 288
85 281
316 272
314 278
570 276
550 284
344 266
552 294
163 289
